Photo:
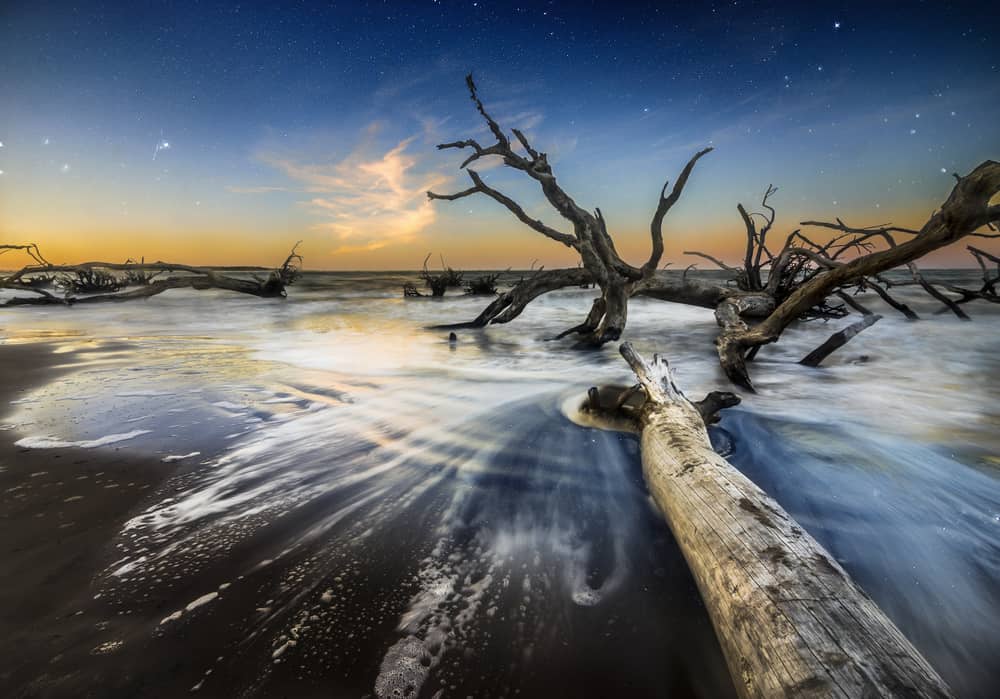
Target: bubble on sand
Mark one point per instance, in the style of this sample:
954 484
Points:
404 669
586 598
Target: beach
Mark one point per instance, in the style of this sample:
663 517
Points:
320 497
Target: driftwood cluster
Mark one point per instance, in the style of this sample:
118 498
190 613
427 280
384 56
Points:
449 278
44 283
774 286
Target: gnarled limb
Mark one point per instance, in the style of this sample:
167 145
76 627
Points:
729 314
31 249
482 188
508 305
988 291
929 288
664 205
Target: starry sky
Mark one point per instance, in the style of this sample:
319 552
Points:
221 134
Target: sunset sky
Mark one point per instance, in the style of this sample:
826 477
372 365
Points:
188 131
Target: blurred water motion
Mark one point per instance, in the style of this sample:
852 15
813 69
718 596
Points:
384 511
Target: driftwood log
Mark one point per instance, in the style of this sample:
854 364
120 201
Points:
143 278
773 287
790 621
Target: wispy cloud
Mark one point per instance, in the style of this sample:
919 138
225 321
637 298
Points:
370 198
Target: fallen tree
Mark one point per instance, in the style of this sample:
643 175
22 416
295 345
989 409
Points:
770 291
789 619
99 282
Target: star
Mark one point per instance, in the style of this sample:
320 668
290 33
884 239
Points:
65 168
45 141
161 145
836 25
1 142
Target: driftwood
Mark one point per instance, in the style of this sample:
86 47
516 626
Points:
838 340
772 289
483 285
107 279
790 620
437 282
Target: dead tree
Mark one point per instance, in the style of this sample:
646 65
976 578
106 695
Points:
794 294
602 264
790 620
98 282
802 280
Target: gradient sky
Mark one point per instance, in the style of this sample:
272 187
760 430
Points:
222 134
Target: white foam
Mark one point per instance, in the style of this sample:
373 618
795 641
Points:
179 457
53 443
203 600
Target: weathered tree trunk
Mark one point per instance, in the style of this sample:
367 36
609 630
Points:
790 621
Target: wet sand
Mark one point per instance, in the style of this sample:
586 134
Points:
58 510
62 511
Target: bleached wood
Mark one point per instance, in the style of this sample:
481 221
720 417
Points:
790 620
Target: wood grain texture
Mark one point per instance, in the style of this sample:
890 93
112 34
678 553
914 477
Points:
790 621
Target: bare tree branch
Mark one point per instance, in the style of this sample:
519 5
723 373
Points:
838 340
664 205
481 187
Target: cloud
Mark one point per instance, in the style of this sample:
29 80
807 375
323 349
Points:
370 198
254 190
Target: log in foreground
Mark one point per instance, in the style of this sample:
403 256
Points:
789 619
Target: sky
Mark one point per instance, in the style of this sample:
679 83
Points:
221 134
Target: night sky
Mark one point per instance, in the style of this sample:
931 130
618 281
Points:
215 134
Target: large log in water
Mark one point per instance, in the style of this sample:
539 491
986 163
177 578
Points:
789 619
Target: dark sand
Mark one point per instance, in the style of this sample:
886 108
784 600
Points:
59 511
